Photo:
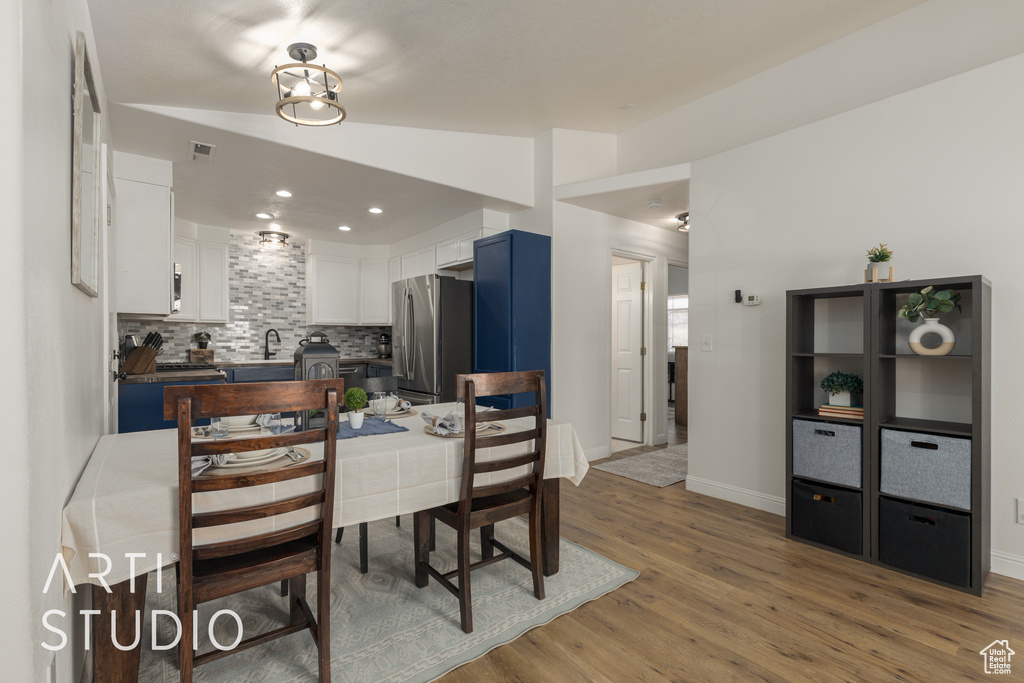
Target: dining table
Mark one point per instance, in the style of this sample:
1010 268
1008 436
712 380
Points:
121 522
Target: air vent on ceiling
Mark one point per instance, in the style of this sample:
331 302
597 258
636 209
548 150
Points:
201 152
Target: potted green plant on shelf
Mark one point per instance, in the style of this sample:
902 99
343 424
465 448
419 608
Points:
202 339
842 387
929 305
355 401
879 263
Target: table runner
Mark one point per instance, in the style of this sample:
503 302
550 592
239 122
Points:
127 498
371 426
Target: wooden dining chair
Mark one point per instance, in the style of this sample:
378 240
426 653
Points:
480 506
288 552
370 385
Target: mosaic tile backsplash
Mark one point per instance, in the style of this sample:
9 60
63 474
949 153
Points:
267 290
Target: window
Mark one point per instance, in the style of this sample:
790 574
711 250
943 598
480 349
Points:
678 321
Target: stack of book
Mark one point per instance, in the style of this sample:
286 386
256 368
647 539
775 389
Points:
848 412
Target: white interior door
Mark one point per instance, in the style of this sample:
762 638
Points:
627 360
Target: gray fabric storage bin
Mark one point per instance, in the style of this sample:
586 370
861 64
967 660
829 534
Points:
827 451
927 467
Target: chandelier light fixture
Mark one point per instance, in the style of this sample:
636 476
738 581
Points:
307 94
273 238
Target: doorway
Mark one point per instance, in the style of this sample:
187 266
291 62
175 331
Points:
628 416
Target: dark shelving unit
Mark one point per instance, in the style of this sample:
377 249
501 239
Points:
939 403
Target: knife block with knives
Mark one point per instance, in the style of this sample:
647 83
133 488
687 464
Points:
142 359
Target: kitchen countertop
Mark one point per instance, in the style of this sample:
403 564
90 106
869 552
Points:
175 376
343 361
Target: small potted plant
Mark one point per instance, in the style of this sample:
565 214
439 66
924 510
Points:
202 339
355 401
929 305
879 260
841 388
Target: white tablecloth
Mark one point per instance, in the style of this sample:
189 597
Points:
127 499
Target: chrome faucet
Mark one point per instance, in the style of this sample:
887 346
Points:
267 353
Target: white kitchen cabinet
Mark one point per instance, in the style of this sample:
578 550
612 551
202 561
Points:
395 268
448 253
332 290
212 282
410 265
426 260
185 257
374 292
144 248
204 281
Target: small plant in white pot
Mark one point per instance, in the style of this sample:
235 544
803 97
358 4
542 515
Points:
842 387
879 265
355 401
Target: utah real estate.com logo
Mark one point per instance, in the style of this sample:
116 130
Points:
997 657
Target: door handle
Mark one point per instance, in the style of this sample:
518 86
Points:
410 335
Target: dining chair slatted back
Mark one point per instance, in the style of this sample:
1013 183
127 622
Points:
279 548
480 505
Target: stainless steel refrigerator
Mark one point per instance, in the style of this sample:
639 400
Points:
431 337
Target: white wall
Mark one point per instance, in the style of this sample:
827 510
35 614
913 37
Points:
936 173
921 45
59 357
581 263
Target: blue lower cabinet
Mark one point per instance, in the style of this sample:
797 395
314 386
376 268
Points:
140 407
374 370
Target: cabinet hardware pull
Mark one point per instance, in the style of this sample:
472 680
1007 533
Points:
924 444
824 499
922 520
824 432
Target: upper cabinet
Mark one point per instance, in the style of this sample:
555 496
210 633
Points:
144 236
332 290
201 252
347 285
457 253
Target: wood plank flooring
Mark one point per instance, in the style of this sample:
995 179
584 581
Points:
724 596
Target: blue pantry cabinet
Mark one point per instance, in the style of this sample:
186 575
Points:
512 308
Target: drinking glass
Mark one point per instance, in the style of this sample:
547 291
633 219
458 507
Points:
380 405
274 423
218 428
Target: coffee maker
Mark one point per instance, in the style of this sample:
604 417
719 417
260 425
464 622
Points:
384 346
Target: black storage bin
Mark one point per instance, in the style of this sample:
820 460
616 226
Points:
827 515
926 540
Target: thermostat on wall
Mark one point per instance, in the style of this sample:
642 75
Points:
751 299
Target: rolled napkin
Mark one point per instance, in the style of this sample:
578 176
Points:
449 424
403 405
201 462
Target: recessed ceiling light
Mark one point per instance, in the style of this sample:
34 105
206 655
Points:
344 228
263 215
375 210
284 193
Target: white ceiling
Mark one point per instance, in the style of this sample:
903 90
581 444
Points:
515 67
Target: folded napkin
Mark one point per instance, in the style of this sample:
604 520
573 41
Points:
201 462
449 424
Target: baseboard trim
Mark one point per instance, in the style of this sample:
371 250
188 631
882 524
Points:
598 453
735 494
1006 564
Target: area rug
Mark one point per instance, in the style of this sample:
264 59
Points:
383 628
657 468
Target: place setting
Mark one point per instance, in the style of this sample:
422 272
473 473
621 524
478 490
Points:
450 426
244 426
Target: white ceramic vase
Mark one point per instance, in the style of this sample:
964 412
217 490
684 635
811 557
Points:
355 419
931 326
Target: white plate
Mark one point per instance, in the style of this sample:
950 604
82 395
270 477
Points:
239 420
244 428
250 462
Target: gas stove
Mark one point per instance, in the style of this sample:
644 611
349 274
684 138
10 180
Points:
176 367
